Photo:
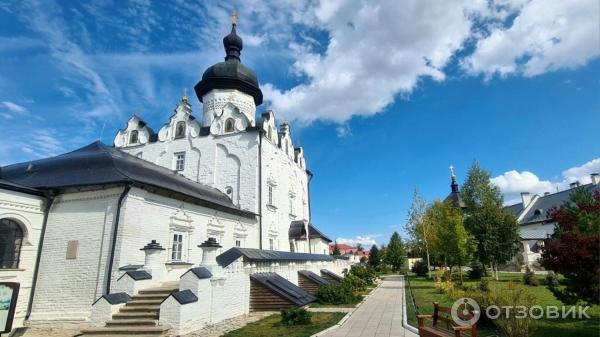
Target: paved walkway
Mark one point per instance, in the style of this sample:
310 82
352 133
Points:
379 316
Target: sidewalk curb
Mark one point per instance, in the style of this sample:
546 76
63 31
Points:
404 318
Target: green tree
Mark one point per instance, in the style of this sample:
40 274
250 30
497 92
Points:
374 257
336 250
455 245
396 255
495 230
359 247
419 230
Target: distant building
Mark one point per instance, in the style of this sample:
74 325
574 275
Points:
349 251
535 224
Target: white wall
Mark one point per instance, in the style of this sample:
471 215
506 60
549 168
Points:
27 211
147 216
67 288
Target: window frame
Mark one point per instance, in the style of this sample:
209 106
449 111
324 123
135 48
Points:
135 133
13 226
178 247
177 162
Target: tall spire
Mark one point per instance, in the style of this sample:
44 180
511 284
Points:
233 43
453 184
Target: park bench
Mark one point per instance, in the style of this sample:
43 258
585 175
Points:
444 315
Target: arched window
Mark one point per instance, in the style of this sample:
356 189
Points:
229 125
11 239
180 130
270 133
133 137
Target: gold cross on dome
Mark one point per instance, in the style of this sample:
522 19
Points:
452 171
234 17
185 94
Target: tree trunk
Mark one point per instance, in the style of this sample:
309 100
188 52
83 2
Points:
428 265
497 277
492 268
460 273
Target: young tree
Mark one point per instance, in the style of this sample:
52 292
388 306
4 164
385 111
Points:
455 245
495 230
395 256
419 230
374 257
573 250
336 250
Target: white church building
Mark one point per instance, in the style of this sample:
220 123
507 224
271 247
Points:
220 192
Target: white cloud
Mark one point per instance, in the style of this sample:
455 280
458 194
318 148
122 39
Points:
379 50
545 36
343 130
512 183
14 107
365 240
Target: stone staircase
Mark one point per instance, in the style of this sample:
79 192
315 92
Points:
138 317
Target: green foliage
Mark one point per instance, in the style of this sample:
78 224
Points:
515 295
551 280
337 293
495 230
295 316
420 268
364 272
357 283
395 255
452 242
484 284
477 270
529 278
336 250
374 258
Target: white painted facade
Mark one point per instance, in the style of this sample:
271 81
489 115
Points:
28 212
258 167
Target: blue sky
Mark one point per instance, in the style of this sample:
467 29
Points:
383 95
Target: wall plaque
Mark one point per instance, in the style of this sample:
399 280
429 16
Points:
9 292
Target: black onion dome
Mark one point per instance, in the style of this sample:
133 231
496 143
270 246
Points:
230 74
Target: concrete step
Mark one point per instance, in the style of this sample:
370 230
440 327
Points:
140 308
155 291
135 315
132 322
137 302
125 331
158 296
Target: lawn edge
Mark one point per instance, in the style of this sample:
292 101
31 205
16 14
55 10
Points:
404 316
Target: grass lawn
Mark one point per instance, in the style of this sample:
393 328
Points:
425 293
270 326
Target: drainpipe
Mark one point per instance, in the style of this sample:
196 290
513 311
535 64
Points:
113 246
260 205
49 201
310 176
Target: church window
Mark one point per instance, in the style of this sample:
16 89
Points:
271 244
133 137
238 243
179 161
229 125
292 206
177 247
180 130
11 239
270 194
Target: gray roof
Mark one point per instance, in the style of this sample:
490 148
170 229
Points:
298 231
184 296
98 164
538 211
515 209
534 234
137 275
200 272
331 274
313 277
115 298
5 184
284 288
258 255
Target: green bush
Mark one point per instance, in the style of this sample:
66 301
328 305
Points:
551 280
420 268
513 325
364 272
340 293
477 271
529 278
295 316
355 282
484 284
